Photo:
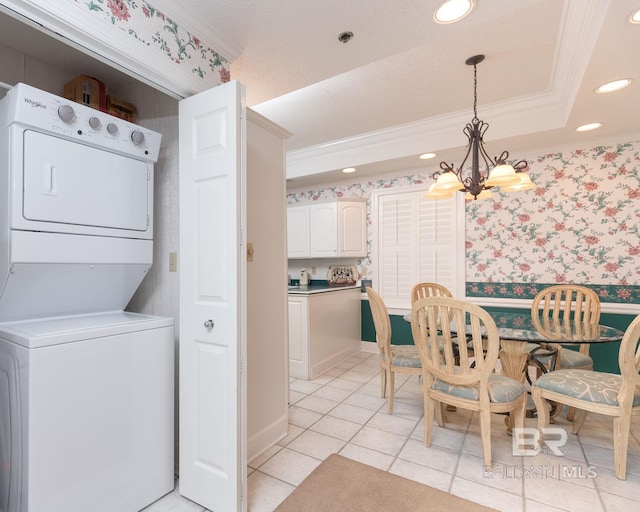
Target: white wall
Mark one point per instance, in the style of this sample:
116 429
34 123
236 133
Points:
267 354
16 67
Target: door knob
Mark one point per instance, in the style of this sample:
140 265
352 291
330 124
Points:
209 324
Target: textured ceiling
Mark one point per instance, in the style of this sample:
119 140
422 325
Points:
400 86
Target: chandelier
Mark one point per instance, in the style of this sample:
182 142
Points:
498 172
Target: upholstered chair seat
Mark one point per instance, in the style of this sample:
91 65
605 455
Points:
587 385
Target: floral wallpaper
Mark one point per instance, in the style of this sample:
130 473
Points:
581 224
147 25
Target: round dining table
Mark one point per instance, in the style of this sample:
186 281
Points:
517 333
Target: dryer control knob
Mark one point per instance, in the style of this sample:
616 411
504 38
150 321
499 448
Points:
66 113
112 128
137 137
95 123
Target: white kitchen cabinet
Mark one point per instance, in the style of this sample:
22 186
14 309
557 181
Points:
298 231
324 330
352 229
298 337
336 229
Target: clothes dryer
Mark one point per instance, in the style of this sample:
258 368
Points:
86 389
76 231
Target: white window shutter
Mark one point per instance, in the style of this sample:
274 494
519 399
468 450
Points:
437 242
418 241
395 250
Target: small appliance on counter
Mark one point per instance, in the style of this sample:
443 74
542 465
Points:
304 277
342 276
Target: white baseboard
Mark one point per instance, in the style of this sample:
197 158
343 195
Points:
371 347
330 362
261 441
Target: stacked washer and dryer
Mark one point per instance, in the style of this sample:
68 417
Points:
86 388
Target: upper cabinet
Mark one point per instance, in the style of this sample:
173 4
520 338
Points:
298 231
336 229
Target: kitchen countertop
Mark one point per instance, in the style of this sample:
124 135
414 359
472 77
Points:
313 288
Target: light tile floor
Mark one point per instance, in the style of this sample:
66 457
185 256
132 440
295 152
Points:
342 412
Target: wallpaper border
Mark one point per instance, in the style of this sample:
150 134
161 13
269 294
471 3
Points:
615 294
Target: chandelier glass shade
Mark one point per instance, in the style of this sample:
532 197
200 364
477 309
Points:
498 172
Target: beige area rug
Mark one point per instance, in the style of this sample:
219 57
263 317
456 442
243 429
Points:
343 485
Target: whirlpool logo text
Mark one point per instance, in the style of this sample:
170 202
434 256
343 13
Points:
35 103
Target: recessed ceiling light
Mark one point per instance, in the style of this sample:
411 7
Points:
588 127
616 85
635 17
427 156
453 10
348 170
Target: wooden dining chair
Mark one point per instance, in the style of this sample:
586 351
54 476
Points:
427 289
392 358
434 322
566 308
604 393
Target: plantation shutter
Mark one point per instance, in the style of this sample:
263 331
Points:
396 250
417 241
437 242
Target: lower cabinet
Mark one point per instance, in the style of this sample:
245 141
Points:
324 330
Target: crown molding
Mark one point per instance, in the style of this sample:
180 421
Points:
510 118
520 116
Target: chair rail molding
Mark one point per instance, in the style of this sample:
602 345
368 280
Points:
74 24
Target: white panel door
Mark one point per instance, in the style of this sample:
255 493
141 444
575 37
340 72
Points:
212 146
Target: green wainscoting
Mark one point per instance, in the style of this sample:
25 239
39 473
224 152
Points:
605 355
400 330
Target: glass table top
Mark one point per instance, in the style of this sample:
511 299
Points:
519 327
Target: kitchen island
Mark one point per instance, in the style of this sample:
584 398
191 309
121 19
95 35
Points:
324 327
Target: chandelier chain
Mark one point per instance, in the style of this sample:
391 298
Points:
475 92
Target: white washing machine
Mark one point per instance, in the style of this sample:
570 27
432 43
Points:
87 412
86 389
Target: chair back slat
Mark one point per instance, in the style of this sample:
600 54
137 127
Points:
568 308
426 289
